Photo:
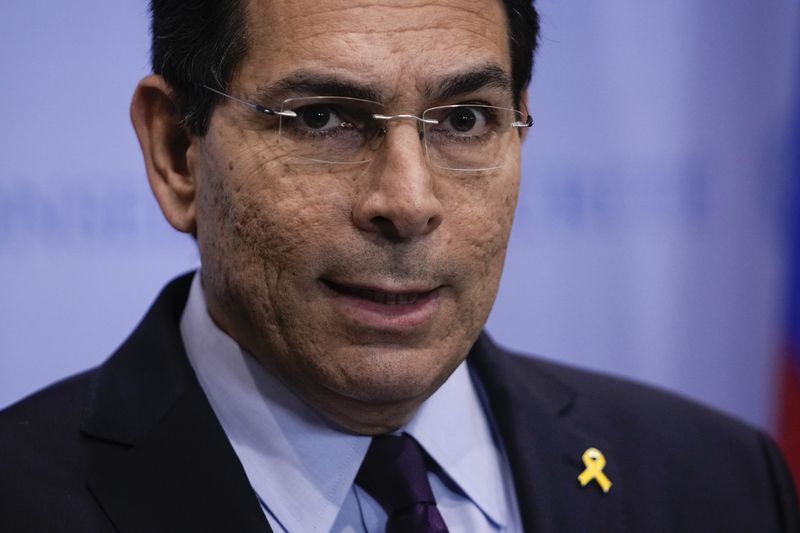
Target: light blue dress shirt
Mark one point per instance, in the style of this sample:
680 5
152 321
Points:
303 468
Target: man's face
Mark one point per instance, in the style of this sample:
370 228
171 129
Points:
360 286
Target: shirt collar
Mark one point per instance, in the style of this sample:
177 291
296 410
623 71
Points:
293 459
453 428
278 437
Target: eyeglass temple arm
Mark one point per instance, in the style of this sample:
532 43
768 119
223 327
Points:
257 107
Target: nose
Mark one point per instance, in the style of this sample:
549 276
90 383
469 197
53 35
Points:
399 201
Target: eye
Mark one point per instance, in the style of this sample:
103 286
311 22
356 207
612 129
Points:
319 117
463 119
467 120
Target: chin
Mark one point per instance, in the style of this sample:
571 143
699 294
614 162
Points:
375 404
394 377
391 389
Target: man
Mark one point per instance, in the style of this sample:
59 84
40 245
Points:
350 172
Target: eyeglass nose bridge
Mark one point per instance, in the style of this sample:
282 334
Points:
387 118
404 116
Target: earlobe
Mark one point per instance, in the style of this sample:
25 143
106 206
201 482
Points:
166 147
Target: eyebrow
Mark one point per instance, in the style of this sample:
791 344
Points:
488 76
311 83
315 83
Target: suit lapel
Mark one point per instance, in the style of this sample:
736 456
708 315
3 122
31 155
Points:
159 460
545 439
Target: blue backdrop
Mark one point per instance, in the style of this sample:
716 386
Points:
647 239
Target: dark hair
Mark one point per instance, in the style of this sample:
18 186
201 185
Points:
201 42
523 34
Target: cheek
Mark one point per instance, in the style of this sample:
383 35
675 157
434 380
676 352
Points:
273 212
484 223
260 228
478 238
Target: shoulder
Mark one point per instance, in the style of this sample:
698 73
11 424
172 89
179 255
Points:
617 400
40 435
43 460
671 455
50 440
150 355
642 416
35 421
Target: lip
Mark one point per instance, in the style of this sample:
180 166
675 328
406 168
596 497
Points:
396 309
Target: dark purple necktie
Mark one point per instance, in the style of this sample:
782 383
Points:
394 473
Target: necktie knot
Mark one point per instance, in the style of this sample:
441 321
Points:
394 473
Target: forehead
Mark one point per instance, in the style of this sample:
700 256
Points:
396 46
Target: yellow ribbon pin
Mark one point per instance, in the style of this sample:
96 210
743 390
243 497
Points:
595 463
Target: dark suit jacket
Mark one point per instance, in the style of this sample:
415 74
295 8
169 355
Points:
134 446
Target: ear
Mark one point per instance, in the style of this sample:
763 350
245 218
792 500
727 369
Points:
166 147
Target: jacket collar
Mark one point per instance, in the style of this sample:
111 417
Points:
159 460
545 436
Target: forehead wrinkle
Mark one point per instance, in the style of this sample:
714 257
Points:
326 32
400 5
474 18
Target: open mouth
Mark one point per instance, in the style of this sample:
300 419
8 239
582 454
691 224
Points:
380 297
396 310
